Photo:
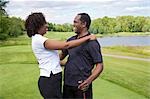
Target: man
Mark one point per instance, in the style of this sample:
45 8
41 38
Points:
78 71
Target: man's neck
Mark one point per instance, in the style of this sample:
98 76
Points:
83 34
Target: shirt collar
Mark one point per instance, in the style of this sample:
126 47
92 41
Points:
84 35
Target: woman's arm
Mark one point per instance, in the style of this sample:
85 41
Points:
58 45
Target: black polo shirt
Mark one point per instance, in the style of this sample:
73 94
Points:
81 61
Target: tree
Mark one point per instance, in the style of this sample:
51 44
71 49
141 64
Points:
138 24
146 27
2 7
15 27
4 25
50 27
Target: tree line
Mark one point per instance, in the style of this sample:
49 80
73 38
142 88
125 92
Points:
107 25
120 24
66 27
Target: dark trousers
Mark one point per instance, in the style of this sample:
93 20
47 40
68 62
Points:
50 87
71 92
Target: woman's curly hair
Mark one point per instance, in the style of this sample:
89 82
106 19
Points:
33 23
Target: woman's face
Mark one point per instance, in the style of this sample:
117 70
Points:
43 29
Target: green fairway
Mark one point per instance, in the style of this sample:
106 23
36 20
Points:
131 74
121 78
19 81
104 89
136 51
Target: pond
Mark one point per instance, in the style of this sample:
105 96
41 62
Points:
125 41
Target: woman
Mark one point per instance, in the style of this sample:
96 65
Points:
45 51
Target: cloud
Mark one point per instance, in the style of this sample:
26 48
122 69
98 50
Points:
67 0
137 8
135 0
62 11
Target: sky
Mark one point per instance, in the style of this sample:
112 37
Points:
64 11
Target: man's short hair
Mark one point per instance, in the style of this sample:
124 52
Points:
85 18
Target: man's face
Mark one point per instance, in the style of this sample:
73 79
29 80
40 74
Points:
77 24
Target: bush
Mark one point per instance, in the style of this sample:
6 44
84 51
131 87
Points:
10 27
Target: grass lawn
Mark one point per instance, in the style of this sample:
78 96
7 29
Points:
131 74
136 51
104 89
19 81
121 78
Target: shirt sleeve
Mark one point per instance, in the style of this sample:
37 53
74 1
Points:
42 41
94 50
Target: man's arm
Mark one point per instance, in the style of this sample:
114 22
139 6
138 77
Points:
62 55
96 72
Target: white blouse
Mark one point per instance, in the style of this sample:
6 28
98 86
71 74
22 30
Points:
48 60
